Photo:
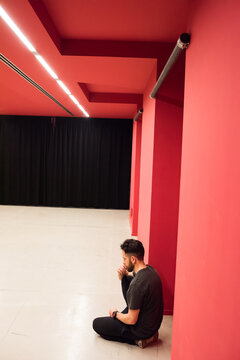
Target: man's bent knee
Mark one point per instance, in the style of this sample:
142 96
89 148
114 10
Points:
101 325
96 325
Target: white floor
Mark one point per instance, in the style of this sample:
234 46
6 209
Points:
58 272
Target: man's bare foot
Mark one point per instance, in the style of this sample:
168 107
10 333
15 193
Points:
145 342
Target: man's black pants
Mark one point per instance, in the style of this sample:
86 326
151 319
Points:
113 329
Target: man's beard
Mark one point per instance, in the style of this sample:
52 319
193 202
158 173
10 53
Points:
130 267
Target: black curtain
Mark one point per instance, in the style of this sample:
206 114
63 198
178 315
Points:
75 162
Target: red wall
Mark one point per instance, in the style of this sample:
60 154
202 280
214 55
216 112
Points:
160 177
207 295
165 196
135 175
146 167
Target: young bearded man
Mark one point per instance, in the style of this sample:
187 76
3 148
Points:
139 322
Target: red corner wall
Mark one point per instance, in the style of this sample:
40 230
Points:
165 196
146 166
207 293
160 178
135 175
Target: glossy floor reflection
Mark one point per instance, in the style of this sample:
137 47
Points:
58 272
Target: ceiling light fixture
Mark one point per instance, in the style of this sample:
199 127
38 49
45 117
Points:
83 110
16 29
30 47
46 66
74 99
61 84
78 105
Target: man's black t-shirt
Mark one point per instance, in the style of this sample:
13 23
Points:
145 293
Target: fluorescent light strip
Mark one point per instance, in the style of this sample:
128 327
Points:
83 110
30 47
78 105
46 66
61 84
74 99
16 29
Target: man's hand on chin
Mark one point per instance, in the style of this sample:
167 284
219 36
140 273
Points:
122 271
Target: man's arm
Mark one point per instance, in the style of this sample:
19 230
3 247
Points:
130 318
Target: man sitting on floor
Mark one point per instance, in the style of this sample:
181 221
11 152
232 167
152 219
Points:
139 322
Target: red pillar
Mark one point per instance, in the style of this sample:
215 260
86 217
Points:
135 175
146 166
165 196
160 178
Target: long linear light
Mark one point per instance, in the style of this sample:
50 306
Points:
46 66
16 29
23 38
61 84
73 99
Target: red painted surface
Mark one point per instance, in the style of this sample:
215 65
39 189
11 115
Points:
84 89
117 98
111 98
207 298
118 20
160 176
135 176
44 17
165 196
113 48
146 166
56 26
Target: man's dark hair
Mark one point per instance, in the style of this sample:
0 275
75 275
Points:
134 247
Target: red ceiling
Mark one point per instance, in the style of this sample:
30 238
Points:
111 46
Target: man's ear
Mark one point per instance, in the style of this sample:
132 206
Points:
133 259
